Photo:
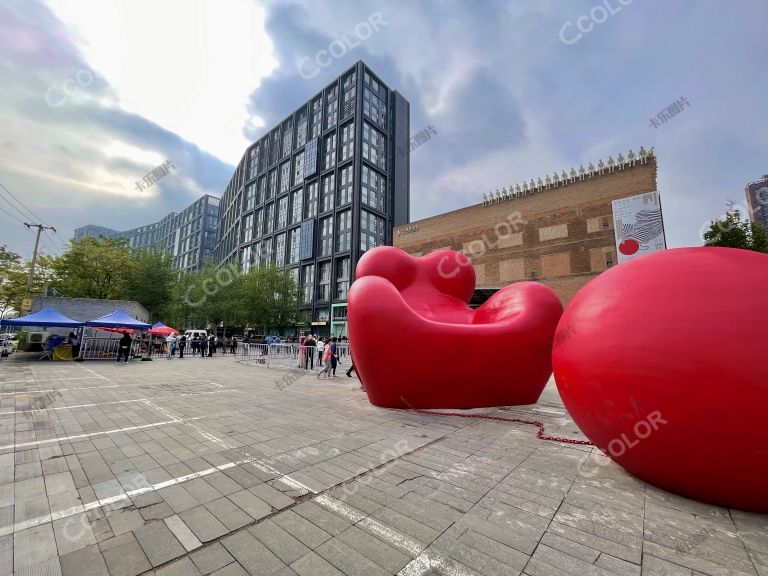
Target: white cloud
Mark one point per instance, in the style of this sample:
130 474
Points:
187 66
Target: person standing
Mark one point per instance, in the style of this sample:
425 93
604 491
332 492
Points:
326 361
211 345
320 351
310 347
233 345
203 345
334 358
182 345
170 341
124 347
195 345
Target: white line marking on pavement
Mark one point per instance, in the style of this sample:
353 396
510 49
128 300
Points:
75 437
120 401
260 464
58 380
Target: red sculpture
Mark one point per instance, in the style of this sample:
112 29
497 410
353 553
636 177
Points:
661 363
416 342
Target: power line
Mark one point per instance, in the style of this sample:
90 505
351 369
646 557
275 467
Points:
11 215
20 203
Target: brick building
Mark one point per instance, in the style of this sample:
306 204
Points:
559 231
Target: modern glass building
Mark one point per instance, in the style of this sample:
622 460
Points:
188 236
319 189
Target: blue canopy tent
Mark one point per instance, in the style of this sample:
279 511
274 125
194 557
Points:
45 317
119 319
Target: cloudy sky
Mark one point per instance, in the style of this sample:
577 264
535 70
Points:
96 93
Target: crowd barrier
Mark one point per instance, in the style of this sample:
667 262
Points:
105 348
287 355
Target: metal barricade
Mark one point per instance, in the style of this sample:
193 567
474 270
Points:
104 348
287 355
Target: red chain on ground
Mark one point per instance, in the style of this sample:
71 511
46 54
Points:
539 425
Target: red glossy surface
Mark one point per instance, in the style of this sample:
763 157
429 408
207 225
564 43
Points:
661 363
417 343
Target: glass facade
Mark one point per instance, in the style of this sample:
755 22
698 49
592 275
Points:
321 188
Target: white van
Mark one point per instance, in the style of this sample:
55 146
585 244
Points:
190 334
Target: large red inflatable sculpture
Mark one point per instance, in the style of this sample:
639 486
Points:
661 363
416 343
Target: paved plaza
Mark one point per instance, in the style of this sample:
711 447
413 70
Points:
190 467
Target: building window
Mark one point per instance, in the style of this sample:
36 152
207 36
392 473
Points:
343 230
555 265
247 231
342 278
245 260
317 113
287 133
374 146
350 90
326 236
301 129
373 189
293 245
274 147
371 231
308 283
253 157
330 151
259 223
261 190
347 142
282 212
280 250
272 189
374 107
599 223
328 193
324 281
331 106
250 197
310 204
345 186
266 252
298 169
296 206
269 219
602 258
285 175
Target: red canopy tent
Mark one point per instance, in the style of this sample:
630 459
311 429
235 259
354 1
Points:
161 329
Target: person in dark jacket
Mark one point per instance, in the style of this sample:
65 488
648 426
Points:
182 345
203 346
124 347
310 346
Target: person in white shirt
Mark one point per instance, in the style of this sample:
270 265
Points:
320 350
171 342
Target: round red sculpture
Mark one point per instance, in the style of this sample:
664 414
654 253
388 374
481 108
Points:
417 343
661 363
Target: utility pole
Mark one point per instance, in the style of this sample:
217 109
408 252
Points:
40 230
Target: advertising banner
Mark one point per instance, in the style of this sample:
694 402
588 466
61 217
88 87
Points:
638 226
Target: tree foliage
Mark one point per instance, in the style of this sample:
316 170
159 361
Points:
734 232
93 268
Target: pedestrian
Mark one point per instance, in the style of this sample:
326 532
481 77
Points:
182 345
195 345
203 345
75 341
352 367
327 366
334 358
302 355
320 351
309 358
124 347
211 345
170 341
233 345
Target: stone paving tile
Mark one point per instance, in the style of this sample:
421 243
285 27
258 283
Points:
402 489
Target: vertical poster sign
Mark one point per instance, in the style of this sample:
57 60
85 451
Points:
638 226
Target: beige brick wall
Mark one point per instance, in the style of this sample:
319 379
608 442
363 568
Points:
516 252
553 265
553 232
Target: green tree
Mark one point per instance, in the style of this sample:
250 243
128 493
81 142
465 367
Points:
734 232
10 267
14 277
93 268
151 282
268 297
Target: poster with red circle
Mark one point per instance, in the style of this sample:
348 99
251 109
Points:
638 226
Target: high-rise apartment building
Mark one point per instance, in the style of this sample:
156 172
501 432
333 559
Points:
188 236
319 189
757 200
